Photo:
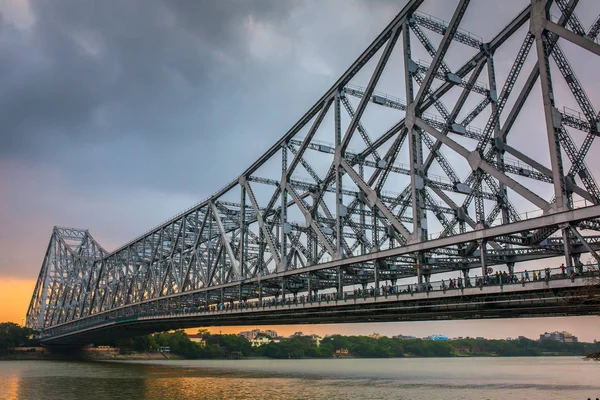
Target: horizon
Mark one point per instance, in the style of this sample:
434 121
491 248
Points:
190 122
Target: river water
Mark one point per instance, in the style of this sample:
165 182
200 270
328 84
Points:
429 378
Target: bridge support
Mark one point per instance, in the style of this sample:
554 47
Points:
483 256
376 270
511 268
466 276
567 248
339 294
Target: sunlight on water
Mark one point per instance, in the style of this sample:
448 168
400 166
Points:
406 379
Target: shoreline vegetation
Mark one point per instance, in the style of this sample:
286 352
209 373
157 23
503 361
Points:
17 343
215 346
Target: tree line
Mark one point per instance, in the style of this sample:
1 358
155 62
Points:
224 346
13 335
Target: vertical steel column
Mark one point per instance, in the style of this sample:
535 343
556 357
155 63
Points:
361 207
50 261
375 228
511 268
376 271
183 233
415 148
260 264
340 285
312 234
209 244
339 207
243 233
283 213
483 256
415 145
499 138
479 206
540 13
566 234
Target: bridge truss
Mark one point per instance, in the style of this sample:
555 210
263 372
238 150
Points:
340 201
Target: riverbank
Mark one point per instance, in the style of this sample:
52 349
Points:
157 356
84 355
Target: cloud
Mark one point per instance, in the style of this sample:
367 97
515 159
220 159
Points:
157 99
112 108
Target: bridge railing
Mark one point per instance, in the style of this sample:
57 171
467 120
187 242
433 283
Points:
191 304
445 285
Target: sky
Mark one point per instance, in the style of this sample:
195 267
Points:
117 115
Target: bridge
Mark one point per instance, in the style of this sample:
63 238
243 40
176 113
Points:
335 221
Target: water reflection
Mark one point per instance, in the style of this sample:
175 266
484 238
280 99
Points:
10 388
517 378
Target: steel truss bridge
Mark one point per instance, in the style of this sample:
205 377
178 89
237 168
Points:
343 201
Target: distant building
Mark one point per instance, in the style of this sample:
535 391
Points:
341 351
437 337
277 339
403 337
197 339
249 335
316 339
296 334
270 333
260 340
375 335
562 337
517 338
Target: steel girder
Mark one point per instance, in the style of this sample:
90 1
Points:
310 203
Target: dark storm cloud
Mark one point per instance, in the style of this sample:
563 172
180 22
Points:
159 87
140 85
116 115
84 62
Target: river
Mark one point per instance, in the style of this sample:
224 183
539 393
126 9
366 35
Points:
406 379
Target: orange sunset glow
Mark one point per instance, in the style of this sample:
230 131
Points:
15 295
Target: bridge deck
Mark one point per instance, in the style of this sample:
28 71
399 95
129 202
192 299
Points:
559 296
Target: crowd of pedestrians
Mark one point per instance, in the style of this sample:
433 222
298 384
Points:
497 278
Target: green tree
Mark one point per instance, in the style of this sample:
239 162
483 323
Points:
13 335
